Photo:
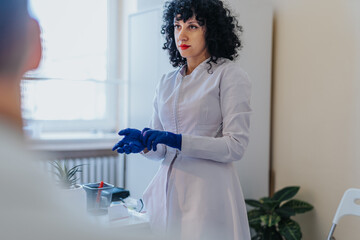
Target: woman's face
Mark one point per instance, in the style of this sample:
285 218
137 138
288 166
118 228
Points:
190 39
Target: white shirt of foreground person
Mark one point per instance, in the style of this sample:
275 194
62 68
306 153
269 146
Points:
196 193
31 208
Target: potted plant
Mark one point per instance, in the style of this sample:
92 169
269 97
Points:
270 219
66 177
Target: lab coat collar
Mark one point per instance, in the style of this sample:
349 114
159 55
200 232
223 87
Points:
202 65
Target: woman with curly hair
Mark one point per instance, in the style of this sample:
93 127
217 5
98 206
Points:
199 127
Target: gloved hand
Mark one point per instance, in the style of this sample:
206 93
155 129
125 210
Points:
153 137
131 143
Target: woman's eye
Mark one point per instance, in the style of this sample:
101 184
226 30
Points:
193 27
177 26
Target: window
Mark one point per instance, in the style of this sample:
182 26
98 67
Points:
74 89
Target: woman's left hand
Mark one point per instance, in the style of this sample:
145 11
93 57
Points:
152 138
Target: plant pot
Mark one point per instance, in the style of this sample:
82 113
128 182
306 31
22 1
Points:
77 196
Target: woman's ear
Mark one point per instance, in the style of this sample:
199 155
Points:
34 46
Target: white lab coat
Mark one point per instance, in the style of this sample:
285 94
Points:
196 193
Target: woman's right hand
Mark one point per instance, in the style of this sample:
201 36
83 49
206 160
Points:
131 143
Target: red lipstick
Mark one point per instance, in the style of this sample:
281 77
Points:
184 46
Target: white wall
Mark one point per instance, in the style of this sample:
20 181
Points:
256 17
144 5
316 108
147 63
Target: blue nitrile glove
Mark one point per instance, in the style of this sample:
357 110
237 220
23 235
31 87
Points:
152 138
131 143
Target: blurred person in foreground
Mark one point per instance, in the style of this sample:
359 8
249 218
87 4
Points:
30 206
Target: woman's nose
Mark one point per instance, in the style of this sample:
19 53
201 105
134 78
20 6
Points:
182 35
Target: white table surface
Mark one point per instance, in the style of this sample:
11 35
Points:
134 220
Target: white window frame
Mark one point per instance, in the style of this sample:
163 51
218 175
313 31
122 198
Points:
113 84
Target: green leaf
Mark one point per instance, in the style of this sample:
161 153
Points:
265 199
254 203
65 169
57 167
269 204
285 193
290 229
254 217
298 206
76 168
270 219
285 212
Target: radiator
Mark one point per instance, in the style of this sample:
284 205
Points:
94 169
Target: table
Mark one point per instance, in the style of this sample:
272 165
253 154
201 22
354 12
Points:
135 221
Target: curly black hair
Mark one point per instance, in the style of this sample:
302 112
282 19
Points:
221 36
